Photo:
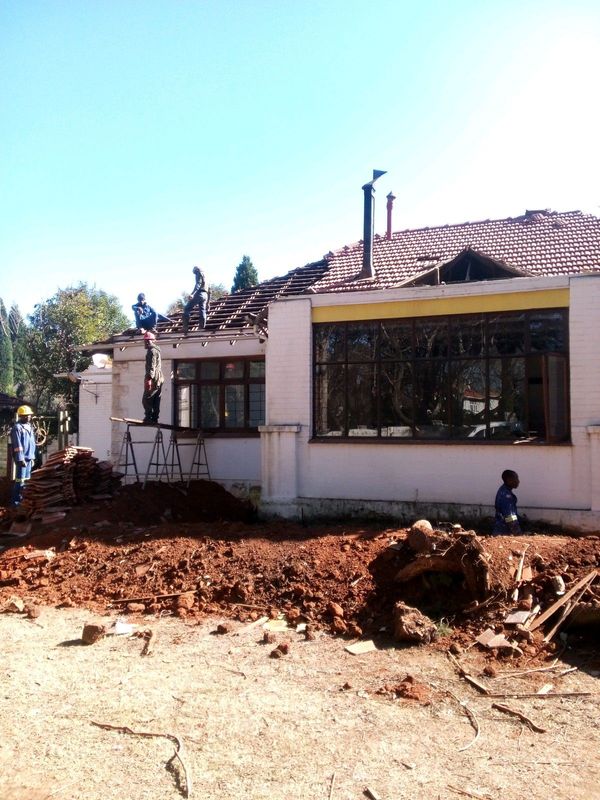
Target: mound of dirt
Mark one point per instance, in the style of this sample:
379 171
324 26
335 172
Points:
139 554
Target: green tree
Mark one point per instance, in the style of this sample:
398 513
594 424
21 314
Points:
7 375
60 328
245 275
19 338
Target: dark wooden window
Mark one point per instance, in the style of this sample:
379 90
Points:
221 395
494 376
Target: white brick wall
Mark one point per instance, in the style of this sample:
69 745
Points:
552 477
233 462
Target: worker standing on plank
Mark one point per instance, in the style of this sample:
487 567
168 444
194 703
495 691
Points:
22 439
153 379
507 519
198 297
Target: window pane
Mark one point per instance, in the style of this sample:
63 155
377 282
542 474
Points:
506 334
431 338
362 400
234 406
330 342
209 406
256 408
330 400
547 332
396 399
396 339
186 370
209 370
257 369
557 425
233 369
468 398
507 399
431 399
362 341
187 415
467 336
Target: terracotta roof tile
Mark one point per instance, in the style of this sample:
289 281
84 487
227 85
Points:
539 243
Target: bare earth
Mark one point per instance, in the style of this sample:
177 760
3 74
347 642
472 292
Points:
256 727
316 722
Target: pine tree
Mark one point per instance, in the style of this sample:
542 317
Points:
7 375
245 275
21 359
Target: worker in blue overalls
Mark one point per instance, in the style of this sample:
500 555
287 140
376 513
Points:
22 437
145 316
507 519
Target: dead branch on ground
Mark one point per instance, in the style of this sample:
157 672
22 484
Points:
513 712
187 790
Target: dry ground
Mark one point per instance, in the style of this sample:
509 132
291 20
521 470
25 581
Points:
254 727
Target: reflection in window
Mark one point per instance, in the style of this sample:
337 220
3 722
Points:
480 376
220 394
234 406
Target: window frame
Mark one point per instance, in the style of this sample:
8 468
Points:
534 365
222 382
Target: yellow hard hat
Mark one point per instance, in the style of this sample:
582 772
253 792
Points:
24 411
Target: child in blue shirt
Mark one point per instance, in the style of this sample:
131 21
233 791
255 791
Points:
507 519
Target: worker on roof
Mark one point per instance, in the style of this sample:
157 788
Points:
198 297
507 519
153 379
145 316
22 437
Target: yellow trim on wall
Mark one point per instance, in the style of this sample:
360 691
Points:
437 306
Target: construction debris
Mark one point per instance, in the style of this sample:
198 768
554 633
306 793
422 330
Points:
410 625
67 478
92 632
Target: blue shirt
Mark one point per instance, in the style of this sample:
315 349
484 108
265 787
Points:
23 441
506 511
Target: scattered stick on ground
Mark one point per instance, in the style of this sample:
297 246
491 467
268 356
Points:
466 675
331 786
187 789
149 636
513 712
470 714
468 794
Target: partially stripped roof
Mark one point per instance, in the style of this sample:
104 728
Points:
234 314
536 243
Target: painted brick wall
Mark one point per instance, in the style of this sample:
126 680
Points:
551 476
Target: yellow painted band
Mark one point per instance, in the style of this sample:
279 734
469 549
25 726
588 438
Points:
437 306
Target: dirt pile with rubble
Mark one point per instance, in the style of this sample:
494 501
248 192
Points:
193 552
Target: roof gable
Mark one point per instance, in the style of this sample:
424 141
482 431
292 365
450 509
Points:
467 266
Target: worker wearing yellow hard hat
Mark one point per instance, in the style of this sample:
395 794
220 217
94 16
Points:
22 439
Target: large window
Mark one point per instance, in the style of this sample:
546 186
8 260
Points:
496 376
220 394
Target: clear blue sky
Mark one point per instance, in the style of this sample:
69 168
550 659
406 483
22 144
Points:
141 137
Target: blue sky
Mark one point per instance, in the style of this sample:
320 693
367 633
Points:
141 137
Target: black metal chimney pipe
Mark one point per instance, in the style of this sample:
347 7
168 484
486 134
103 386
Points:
369 213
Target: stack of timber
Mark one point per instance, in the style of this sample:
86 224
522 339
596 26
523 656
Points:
68 477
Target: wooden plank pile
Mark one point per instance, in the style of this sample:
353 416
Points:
67 478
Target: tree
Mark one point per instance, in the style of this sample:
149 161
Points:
7 375
60 328
245 275
21 360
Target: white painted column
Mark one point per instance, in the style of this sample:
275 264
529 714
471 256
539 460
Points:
594 434
279 462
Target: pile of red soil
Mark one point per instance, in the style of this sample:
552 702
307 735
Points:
196 551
